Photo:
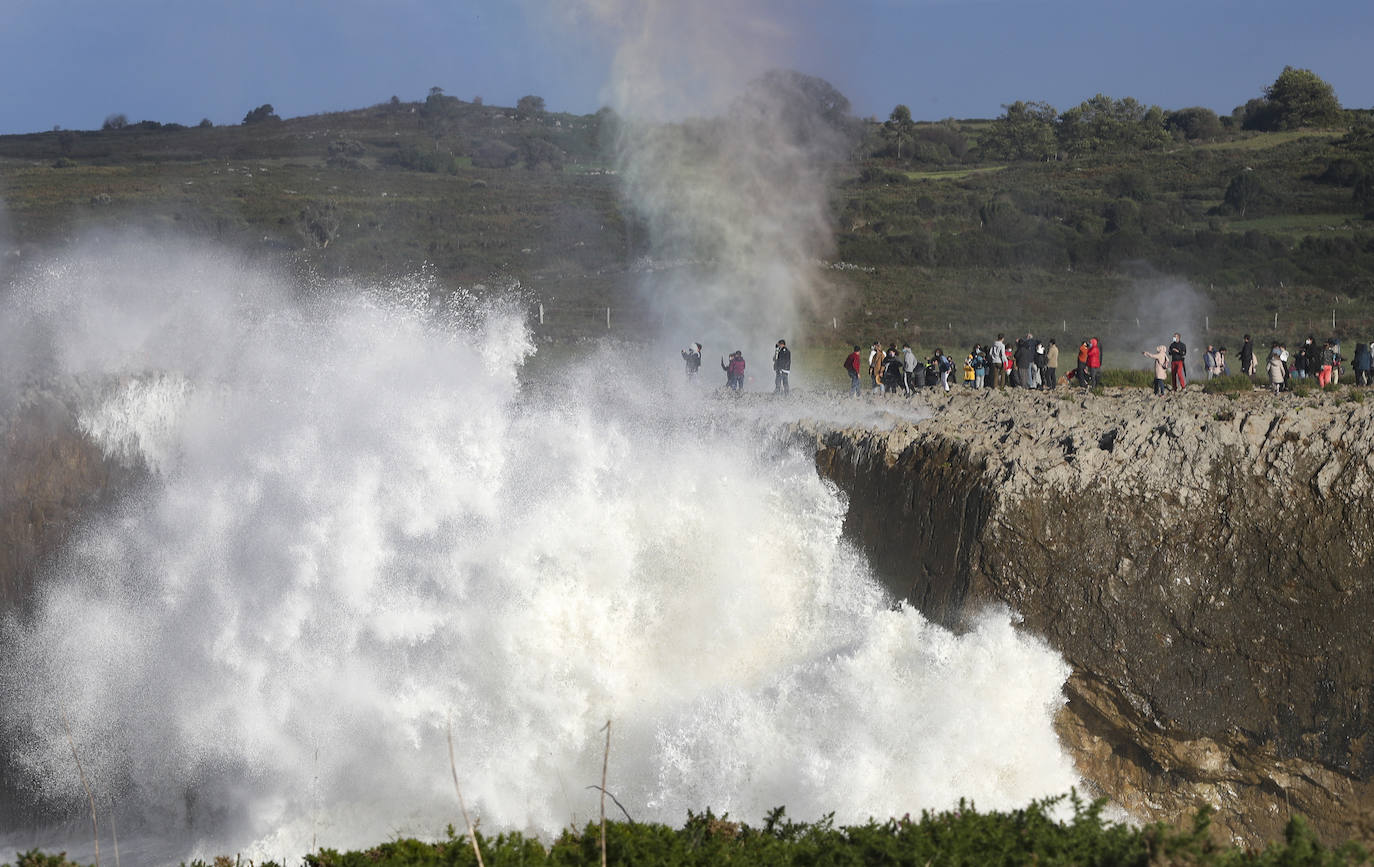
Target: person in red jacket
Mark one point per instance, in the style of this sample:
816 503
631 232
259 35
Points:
1094 361
851 364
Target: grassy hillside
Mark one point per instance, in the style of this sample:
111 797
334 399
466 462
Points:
933 252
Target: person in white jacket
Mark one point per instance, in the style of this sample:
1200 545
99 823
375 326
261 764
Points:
1161 359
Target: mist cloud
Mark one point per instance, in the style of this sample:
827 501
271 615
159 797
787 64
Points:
726 161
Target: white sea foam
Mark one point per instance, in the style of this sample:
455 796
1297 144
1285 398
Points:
360 532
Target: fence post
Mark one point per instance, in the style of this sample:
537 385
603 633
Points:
608 319
541 312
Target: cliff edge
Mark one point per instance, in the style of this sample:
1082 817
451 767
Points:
1202 561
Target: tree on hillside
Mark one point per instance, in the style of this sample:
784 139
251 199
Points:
1024 132
1106 124
1363 193
899 132
115 121
1195 124
1300 98
530 107
261 114
940 143
1297 98
1243 192
805 110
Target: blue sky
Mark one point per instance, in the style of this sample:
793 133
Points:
73 62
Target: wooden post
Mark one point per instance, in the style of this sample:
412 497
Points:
541 312
608 319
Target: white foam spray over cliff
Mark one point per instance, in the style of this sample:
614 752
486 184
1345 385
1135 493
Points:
358 531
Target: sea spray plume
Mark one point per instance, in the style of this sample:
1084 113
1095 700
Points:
356 526
737 192
1154 306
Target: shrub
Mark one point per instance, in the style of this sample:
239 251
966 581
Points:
262 114
1228 384
1127 378
1032 835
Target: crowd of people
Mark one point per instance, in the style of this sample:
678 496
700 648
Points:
1029 363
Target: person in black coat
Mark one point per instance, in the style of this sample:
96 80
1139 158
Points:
782 367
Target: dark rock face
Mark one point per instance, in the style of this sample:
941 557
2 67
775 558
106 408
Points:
51 477
1204 564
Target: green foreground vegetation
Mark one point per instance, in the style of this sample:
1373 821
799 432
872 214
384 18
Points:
956 837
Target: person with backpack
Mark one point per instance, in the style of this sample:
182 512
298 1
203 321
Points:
1247 357
782 367
1363 357
908 367
851 364
692 355
1326 363
944 365
997 356
1277 368
892 371
980 365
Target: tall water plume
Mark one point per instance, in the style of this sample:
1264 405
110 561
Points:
358 531
726 158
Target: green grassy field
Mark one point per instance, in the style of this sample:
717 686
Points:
951 174
944 254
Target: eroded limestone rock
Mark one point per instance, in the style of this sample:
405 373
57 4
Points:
1204 563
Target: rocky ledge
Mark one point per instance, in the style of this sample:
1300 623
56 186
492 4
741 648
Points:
52 477
1202 561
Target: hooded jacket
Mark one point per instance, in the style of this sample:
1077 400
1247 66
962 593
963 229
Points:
1275 369
908 359
1161 359
1094 353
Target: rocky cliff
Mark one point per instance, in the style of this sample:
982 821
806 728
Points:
1203 562
51 477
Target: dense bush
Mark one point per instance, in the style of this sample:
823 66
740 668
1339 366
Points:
956 837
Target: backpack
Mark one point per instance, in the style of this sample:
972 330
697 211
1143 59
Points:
944 364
